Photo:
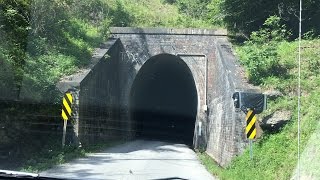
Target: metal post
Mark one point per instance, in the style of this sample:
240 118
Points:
251 153
64 132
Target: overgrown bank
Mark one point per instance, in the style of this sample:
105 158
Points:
271 62
42 41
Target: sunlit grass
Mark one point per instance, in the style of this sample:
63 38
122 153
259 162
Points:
276 155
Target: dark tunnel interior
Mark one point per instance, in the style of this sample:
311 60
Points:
163 100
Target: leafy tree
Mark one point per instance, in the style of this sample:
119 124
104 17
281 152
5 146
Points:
215 14
259 54
246 16
193 8
14 19
14 27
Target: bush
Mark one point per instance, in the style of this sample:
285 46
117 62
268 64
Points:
38 35
215 15
259 55
272 30
41 74
7 81
244 16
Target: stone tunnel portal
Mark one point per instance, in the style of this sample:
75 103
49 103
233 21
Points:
163 100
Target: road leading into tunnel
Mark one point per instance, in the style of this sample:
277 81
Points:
139 159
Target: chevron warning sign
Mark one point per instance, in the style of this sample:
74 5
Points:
251 130
66 106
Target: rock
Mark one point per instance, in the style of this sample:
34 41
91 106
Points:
275 121
273 94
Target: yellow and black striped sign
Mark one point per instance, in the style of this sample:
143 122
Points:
66 106
251 130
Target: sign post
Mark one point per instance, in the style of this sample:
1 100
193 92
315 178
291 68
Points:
66 114
251 130
65 122
251 151
251 104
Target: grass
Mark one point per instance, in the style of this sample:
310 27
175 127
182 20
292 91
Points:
59 40
275 154
210 164
54 155
65 42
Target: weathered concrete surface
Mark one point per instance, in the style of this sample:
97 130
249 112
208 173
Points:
105 86
100 90
136 160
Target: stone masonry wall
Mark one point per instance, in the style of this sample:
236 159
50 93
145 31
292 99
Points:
225 127
103 112
100 115
209 56
196 51
104 87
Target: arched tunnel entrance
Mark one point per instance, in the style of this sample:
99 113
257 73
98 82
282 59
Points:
163 100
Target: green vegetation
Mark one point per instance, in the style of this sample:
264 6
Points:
246 16
55 38
210 164
41 41
271 62
44 40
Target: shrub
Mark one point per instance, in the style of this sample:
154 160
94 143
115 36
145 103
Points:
244 16
41 74
259 54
